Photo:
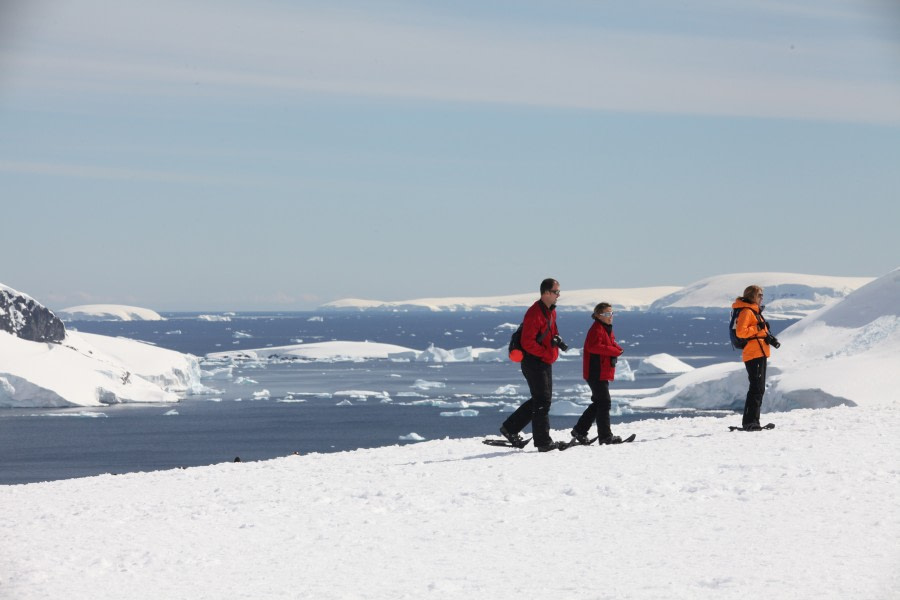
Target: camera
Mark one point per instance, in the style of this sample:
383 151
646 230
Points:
772 341
613 360
559 343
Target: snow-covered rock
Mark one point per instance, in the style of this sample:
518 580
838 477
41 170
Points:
26 318
108 312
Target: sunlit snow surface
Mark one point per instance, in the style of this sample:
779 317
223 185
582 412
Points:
689 510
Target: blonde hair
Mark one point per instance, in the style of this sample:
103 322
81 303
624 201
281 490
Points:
751 291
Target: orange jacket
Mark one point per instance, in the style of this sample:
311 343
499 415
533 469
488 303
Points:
747 326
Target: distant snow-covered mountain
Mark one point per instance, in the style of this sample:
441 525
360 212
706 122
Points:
570 300
788 295
108 312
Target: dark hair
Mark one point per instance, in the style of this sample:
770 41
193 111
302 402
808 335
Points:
600 308
547 284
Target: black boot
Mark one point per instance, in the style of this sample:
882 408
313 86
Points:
580 438
513 438
551 446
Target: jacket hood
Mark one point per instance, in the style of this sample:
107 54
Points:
741 303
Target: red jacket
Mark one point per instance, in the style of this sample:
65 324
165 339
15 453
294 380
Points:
535 324
599 347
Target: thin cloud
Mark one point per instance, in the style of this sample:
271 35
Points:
147 50
107 173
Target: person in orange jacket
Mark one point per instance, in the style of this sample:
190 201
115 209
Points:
600 354
751 326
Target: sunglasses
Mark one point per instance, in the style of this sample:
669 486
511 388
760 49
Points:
554 292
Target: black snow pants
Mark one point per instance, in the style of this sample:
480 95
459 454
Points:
536 409
598 409
756 372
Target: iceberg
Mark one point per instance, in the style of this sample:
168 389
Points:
336 351
662 364
466 412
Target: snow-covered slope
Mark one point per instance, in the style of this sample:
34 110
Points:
847 353
689 511
91 370
788 295
622 299
108 312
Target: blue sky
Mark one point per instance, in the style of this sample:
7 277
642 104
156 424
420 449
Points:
278 155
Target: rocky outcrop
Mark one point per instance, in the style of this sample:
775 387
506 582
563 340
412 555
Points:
26 318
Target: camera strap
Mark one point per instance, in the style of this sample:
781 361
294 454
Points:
541 336
759 320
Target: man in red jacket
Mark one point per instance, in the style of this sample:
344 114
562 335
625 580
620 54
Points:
539 341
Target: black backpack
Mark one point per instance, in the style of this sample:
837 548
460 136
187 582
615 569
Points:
515 342
738 343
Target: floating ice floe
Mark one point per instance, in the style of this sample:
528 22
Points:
218 374
467 412
411 437
362 395
214 318
422 384
507 390
341 351
662 363
566 408
82 413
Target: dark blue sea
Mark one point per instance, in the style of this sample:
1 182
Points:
266 410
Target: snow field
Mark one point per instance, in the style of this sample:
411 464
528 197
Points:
690 510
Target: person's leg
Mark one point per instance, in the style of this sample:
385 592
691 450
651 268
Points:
600 391
520 418
583 426
539 376
756 374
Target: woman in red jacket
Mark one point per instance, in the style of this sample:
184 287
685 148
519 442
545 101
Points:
599 356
